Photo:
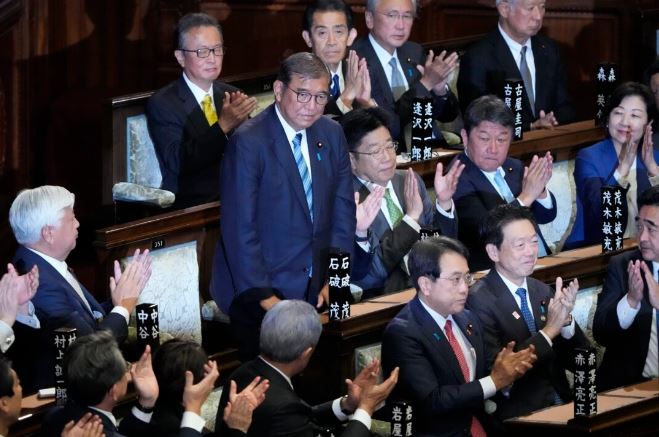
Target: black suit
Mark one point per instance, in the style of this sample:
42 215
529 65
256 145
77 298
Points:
282 413
189 151
409 55
492 301
489 62
430 375
33 358
626 349
475 197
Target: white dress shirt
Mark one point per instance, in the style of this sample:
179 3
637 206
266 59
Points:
516 51
290 135
384 57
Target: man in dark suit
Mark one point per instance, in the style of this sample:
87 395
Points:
626 317
446 373
328 31
491 178
405 206
515 51
190 118
289 334
398 68
286 182
515 307
46 228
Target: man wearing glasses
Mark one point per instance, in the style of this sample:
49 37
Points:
398 68
446 371
405 206
190 118
287 198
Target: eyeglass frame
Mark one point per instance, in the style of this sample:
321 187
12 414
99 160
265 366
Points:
306 93
468 279
220 47
394 16
379 153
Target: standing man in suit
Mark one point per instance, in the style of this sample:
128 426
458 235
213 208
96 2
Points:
626 317
287 186
328 31
288 338
515 307
190 118
405 207
491 178
446 373
515 50
398 68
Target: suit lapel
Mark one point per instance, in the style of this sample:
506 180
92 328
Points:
541 71
408 65
196 117
318 159
510 68
377 73
489 196
507 304
511 178
466 325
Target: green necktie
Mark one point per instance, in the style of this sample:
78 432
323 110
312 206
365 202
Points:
395 214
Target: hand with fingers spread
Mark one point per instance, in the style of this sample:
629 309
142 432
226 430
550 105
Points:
557 315
653 286
437 70
510 365
634 283
546 120
647 152
235 109
568 294
374 394
368 376
126 286
536 177
446 184
368 209
413 199
16 291
144 380
194 395
238 411
89 425
627 155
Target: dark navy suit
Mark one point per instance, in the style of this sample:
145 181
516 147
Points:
430 375
475 197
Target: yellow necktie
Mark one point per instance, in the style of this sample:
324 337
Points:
209 109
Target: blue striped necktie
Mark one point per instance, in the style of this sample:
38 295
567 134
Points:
526 312
335 90
304 171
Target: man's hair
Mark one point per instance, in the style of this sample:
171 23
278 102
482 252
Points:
628 89
38 207
189 22
651 71
498 218
371 5
288 329
6 378
92 365
304 64
510 2
425 255
649 197
488 108
360 122
170 362
326 6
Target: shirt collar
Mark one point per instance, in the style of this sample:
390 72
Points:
383 55
514 46
288 129
513 287
438 318
197 92
58 265
288 380
655 267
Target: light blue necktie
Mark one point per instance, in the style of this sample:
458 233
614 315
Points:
335 90
526 77
503 187
304 171
397 80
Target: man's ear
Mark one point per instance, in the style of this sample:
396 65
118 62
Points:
464 136
424 284
180 58
368 16
4 405
278 89
504 9
492 252
307 38
47 234
351 36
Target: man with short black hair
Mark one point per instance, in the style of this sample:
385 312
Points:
446 372
514 307
626 317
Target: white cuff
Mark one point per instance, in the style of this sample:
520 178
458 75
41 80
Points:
567 332
413 224
547 338
546 202
6 336
489 389
336 409
141 415
626 314
450 213
365 245
363 417
192 420
122 312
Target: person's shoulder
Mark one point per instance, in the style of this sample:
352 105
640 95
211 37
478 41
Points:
361 44
165 92
223 86
255 126
595 148
511 164
623 259
482 289
483 45
544 41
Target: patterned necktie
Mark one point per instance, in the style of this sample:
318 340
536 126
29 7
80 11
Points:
397 80
335 90
304 171
526 312
476 427
209 109
503 187
395 214
526 77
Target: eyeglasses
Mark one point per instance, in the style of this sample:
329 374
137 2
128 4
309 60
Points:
305 97
394 16
468 279
205 52
389 146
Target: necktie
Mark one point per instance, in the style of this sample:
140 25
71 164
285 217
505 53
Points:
526 312
503 188
304 171
397 80
76 286
476 427
395 214
526 77
209 109
335 90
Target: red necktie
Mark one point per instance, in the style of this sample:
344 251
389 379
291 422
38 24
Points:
476 427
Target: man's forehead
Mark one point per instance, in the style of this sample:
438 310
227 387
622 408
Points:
329 19
306 83
453 262
401 5
649 214
491 127
517 229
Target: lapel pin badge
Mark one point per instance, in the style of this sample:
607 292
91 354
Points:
436 335
516 315
470 329
543 318
318 157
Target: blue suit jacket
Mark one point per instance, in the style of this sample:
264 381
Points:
189 151
489 62
58 305
409 55
475 197
430 375
389 246
268 241
593 169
